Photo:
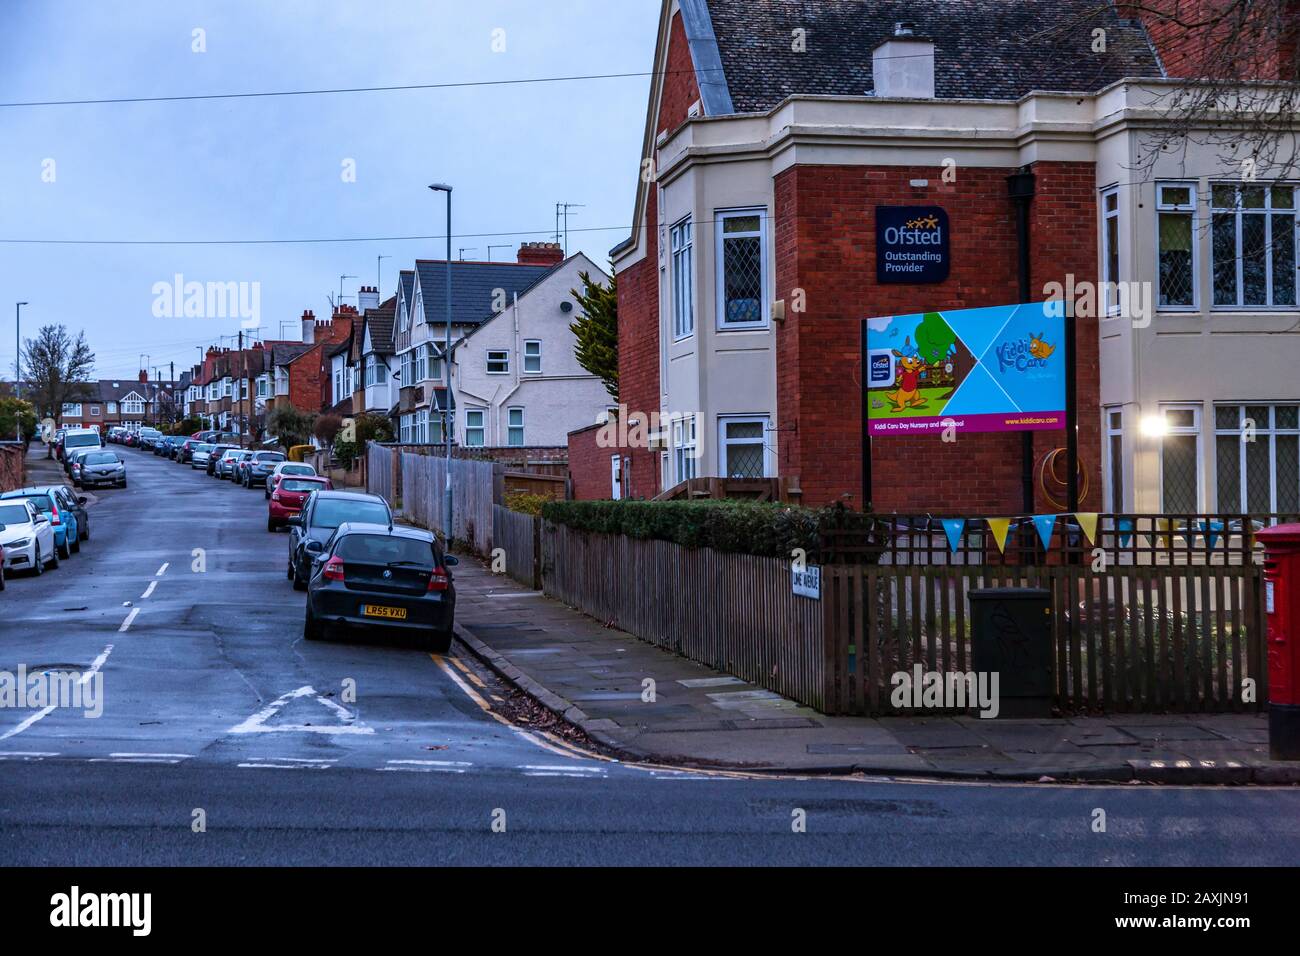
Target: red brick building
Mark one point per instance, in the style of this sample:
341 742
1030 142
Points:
774 132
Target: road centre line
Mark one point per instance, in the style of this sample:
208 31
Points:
130 619
163 569
149 590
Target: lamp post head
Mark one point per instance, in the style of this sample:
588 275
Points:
440 187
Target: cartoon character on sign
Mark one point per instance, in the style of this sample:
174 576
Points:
910 367
1039 348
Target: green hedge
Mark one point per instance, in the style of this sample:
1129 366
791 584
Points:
741 527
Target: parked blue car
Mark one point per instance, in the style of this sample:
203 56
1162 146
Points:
53 501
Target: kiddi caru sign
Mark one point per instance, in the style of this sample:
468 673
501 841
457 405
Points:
911 244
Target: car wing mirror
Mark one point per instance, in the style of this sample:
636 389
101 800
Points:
450 560
314 547
81 499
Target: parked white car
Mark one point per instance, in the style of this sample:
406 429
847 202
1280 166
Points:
27 538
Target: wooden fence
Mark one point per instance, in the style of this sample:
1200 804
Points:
381 462
519 536
733 612
474 493
1139 638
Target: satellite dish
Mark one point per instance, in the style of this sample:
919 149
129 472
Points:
566 306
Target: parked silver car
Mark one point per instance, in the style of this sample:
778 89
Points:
102 468
199 457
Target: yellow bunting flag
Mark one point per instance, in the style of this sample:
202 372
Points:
1000 527
1088 522
1163 525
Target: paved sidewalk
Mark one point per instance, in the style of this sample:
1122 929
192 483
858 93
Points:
595 676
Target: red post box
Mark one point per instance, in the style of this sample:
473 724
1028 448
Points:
1282 604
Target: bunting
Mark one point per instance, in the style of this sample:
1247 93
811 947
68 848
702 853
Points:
1000 527
1088 522
954 528
1045 524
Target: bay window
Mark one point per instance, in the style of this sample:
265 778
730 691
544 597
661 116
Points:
1180 451
683 247
1253 238
742 272
1175 226
1257 458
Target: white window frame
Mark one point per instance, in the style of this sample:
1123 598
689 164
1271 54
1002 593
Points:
683 279
72 409
1264 432
686 464
720 218
511 427
479 414
724 443
1113 431
505 358
1191 211
1111 282
528 343
1194 430
1268 212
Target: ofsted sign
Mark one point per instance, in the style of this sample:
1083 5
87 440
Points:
911 245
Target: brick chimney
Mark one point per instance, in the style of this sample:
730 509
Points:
367 298
144 376
540 254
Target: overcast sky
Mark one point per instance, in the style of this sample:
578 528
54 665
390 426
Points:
273 168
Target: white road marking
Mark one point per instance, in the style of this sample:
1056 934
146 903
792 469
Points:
25 755
163 569
423 769
130 618
166 760
179 756
149 590
290 763
257 723
487 709
432 763
95 665
567 768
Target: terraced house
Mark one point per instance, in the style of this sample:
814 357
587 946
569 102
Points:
776 133
479 290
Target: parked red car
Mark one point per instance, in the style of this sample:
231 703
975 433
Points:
287 499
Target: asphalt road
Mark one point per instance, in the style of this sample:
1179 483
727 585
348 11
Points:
216 710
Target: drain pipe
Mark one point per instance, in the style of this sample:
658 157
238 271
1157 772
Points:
1020 187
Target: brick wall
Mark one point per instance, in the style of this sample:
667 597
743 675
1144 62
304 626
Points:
825 245
589 465
11 468
680 88
1191 44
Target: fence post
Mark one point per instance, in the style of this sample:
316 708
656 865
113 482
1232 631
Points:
537 553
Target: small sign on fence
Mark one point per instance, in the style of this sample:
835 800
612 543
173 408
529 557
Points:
807 583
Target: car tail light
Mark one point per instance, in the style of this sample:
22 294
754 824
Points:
438 580
276 496
333 570
56 518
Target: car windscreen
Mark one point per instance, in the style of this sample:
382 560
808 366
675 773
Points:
14 514
269 456
203 448
332 512
101 458
298 470
81 441
300 484
42 502
385 549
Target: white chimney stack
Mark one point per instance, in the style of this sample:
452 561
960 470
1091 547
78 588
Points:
367 298
903 65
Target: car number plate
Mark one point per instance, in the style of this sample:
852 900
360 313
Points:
390 613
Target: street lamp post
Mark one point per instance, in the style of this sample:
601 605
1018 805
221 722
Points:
446 366
18 363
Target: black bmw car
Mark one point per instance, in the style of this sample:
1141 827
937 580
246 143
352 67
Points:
382 578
